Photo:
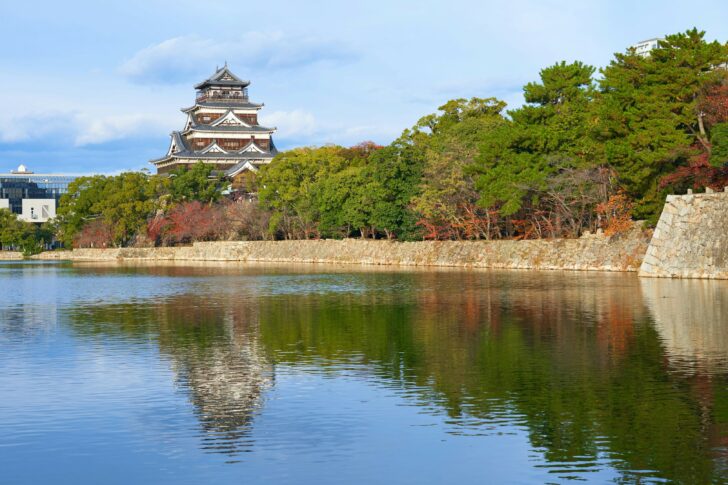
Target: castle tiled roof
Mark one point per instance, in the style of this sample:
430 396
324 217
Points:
223 77
252 156
184 151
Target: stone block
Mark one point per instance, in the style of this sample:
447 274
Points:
690 240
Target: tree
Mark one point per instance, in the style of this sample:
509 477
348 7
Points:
95 234
199 182
246 220
344 201
546 137
394 173
446 200
79 206
188 222
12 230
123 202
647 114
289 186
712 111
194 221
719 143
27 237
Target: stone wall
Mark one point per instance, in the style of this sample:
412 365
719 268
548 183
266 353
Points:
10 255
691 238
594 252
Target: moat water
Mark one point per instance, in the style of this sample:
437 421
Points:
314 374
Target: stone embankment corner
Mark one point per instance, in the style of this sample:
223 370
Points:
691 238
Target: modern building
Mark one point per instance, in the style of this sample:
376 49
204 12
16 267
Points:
33 197
221 129
645 47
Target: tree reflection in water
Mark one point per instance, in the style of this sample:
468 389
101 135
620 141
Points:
575 359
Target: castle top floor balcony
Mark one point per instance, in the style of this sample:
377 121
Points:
209 96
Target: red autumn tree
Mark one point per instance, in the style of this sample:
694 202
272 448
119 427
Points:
713 105
157 229
707 168
95 234
188 222
194 221
698 173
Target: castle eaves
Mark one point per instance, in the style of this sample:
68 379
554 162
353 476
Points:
192 155
234 129
211 104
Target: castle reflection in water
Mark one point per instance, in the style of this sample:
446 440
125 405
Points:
226 380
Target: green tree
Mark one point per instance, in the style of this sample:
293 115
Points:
12 230
344 202
199 182
124 201
289 186
449 143
27 237
395 173
547 136
719 141
647 114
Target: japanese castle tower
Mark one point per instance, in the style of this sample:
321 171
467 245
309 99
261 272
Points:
222 129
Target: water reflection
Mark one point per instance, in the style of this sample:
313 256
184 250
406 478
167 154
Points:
608 376
212 348
691 317
226 376
26 310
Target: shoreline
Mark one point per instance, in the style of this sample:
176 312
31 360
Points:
11 256
622 253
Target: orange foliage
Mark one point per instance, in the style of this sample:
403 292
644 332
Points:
361 150
535 227
615 215
472 222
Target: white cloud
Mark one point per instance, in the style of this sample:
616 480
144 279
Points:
80 129
300 127
180 59
93 130
290 123
17 129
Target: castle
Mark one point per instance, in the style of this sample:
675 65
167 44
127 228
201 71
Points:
221 129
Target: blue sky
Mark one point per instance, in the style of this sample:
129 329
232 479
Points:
96 87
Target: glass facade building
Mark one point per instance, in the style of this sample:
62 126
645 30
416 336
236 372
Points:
22 185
